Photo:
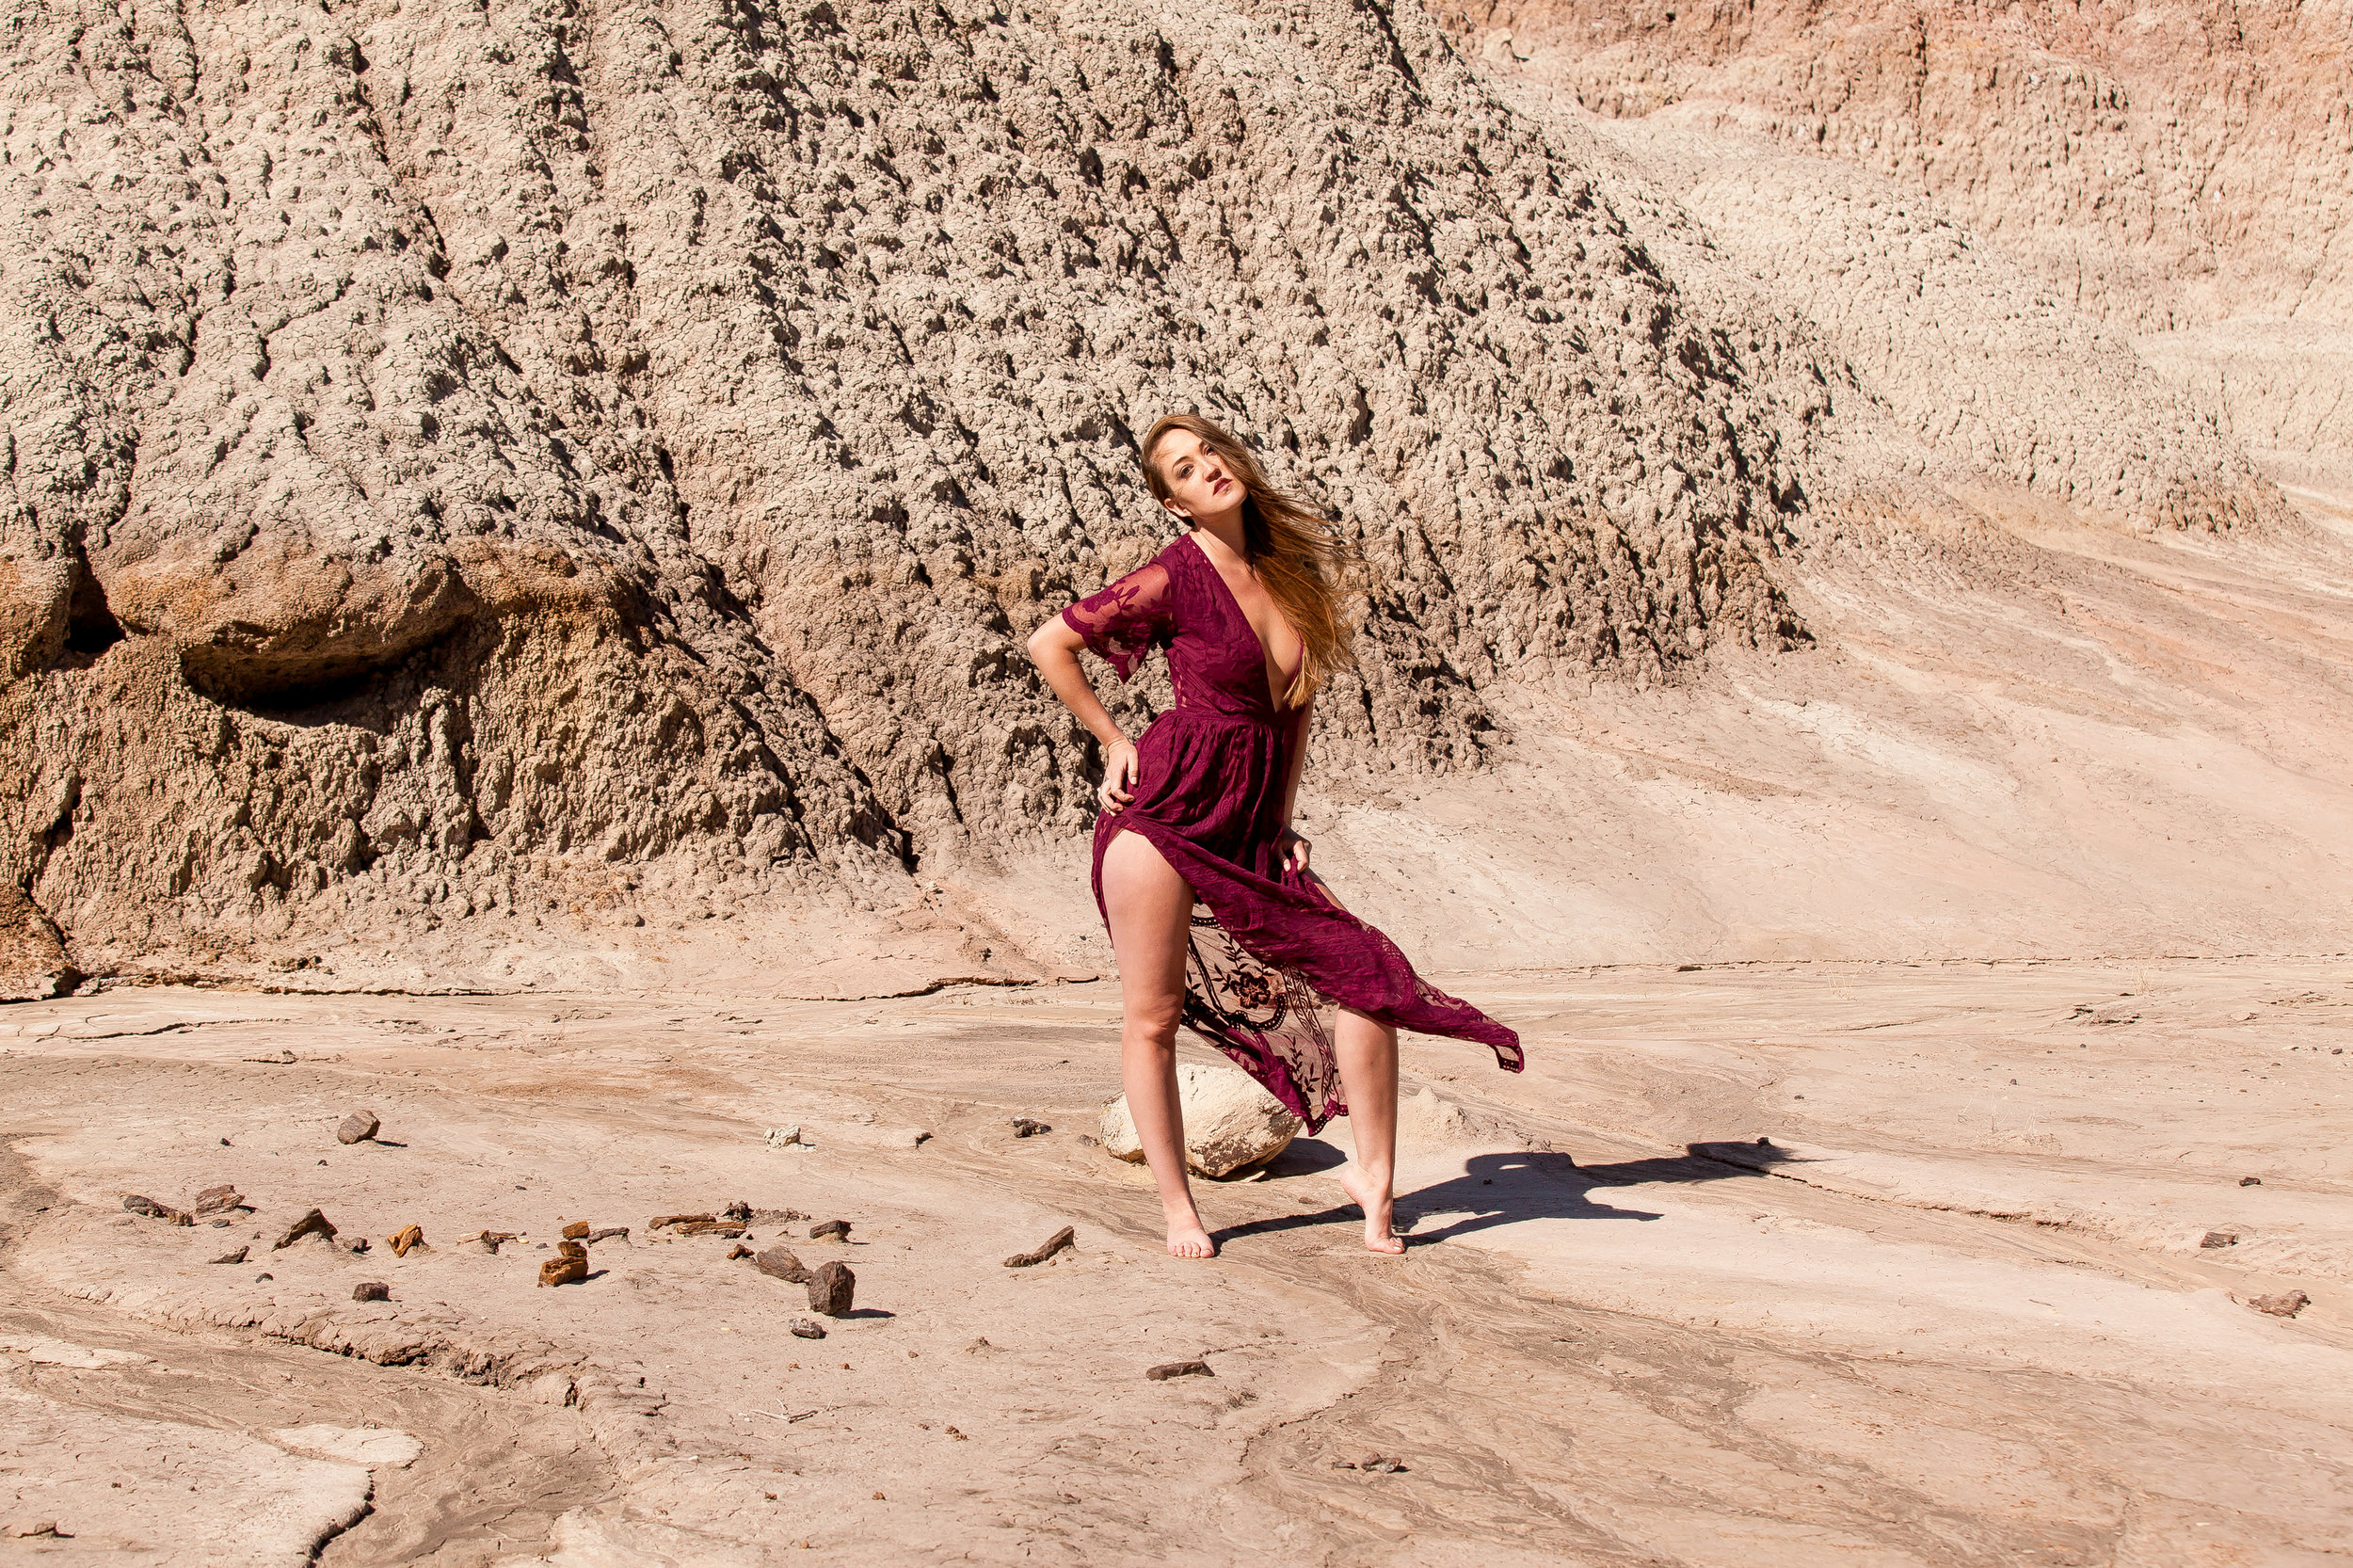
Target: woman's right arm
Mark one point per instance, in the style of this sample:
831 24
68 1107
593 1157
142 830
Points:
1054 648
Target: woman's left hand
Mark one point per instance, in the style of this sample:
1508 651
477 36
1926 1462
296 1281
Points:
1294 849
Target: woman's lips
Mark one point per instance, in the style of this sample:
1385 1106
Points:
1219 488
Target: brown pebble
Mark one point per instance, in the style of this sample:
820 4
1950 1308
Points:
804 1328
660 1221
711 1227
838 1229
372 1290
879 1498
1060 1239
830 1290
1179 1369
311 1223
607 1233
568 1267
2287 1304
1029 1127
779 1262
154 1210
358 1128
2219 1238
237 1257
406 1238
213 1199
2250 1181
576 1231
739 1250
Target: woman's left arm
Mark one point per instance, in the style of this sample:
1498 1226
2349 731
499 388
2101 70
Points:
1296 849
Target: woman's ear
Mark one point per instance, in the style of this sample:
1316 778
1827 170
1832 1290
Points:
1172 503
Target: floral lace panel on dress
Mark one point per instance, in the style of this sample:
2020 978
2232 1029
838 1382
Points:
1271 1022
1125 621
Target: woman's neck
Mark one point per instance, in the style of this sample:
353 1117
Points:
1227 532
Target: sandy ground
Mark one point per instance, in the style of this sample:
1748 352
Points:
1954 1309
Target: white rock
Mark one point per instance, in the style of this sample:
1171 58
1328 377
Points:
1230 1123
375 1446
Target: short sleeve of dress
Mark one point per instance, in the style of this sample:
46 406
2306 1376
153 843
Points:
1125 621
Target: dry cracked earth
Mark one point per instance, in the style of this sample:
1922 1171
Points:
1759 1262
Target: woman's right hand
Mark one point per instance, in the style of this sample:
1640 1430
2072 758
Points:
1119 774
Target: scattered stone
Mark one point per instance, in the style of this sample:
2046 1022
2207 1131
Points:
2250 1181
214 1200
779 1262
1167 1370
576 1231
219 1224
777 1216
2287 1304
1060 1239
660 1221
807 1328
785 1137
24 1529
311 1223
372 1290
1375 1464
486 1241
1090 1140
237 1257
739 1250
711 1227
357 1245
607 1233
262 1279
830 1290
2219 1238
282 1059
838 1229
154 1210
570 1267
1230 1123
358 1128
1029 1126
739 1211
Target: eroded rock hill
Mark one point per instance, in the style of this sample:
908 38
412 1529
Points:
506 464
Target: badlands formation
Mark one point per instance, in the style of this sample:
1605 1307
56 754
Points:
518 528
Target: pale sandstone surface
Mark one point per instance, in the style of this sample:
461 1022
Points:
2183 174
1977 1326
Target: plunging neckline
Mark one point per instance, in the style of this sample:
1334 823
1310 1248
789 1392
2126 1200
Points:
1265 657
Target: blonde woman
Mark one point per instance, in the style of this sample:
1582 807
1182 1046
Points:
1214 917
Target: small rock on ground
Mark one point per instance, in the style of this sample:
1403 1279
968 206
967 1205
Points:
372 1290
2219 1238
1060 1239
1168 1369
2287 1304
838 1229
237 1257
807 1328
357 1126
831 1289
1029 1127
311 1223
779 1262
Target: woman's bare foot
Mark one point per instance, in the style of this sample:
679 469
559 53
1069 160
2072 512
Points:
1379 1205
1187 1237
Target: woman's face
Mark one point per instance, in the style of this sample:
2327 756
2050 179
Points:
1202 486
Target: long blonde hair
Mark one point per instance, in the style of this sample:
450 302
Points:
1297 554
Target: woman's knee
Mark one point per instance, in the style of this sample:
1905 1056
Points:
1153 1020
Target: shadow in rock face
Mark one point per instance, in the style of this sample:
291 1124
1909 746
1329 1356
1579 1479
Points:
1504 1189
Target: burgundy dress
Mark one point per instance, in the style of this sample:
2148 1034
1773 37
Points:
1272 950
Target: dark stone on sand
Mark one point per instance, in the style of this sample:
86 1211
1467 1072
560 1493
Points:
804 1328
1179 1369
372 1290
237 1257
213 1200
830 1290
739 1250
154 1210
607 1233
1029 1127
2287 1304
576 1231
1060 1239
358 1128
740 1212
2250 1181
838 1229
311 1223
2219 1238
778 1261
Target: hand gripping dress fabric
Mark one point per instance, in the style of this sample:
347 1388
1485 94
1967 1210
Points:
1273 952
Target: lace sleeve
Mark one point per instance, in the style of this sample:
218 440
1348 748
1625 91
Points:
1126 621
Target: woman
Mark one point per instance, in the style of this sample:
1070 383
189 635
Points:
1276 974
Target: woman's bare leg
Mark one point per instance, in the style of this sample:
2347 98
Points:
1150 909
1367 1058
